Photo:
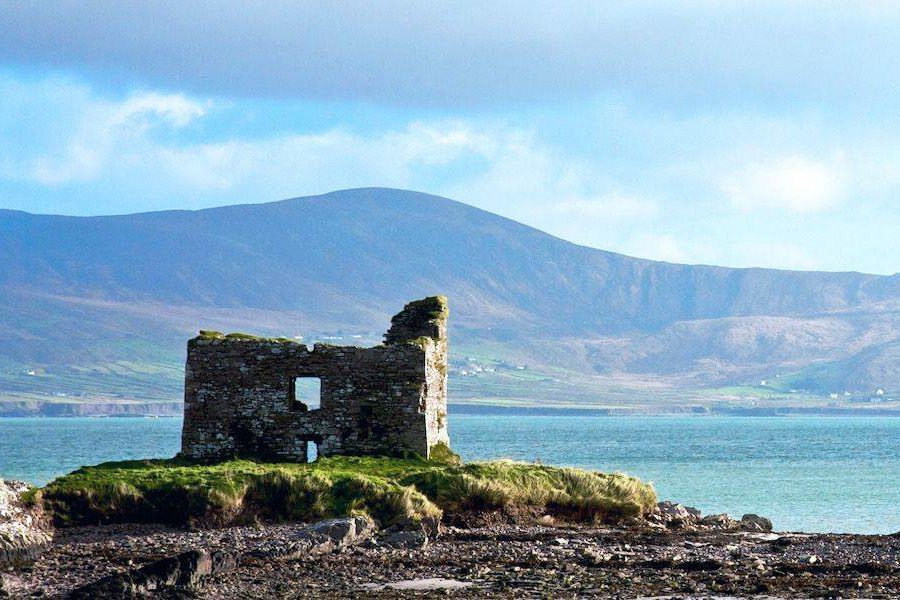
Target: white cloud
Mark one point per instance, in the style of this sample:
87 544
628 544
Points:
702 249
119 146
793 183
657 247
284 165
774 254
107 133
502 169
613 205
175 109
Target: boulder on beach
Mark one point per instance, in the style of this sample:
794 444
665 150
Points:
677 516
756 523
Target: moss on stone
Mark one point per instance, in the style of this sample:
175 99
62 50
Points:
208 334
436 306
442 311
441 418
441 453
237 335
421 341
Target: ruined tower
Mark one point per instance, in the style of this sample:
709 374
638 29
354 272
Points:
239 393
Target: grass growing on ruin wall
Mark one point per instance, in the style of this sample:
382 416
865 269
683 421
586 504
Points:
393 491
209 334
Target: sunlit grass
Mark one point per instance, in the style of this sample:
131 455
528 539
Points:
388 489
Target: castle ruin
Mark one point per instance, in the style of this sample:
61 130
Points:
240 399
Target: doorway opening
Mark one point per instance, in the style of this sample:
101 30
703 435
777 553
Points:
312 451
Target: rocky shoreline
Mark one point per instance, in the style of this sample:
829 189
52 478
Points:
675 553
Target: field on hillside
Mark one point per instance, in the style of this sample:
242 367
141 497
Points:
480 376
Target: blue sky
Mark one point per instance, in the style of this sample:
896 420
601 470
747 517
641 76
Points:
739 133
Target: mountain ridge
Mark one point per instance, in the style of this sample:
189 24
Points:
443 199
348 259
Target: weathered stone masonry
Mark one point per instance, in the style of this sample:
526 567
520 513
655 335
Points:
390 399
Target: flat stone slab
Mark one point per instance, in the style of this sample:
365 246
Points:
420 585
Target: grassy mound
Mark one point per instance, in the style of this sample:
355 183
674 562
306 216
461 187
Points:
390 490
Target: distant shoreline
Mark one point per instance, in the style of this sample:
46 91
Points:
477 409
173 409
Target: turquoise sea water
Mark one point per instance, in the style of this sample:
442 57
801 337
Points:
805 473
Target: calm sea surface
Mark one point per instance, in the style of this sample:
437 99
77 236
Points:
805 473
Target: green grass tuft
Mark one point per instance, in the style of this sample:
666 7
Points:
237 335
393 491
209 334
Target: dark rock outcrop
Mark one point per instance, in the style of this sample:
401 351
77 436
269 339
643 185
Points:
753 522
671 515
324 536
409 539
188 570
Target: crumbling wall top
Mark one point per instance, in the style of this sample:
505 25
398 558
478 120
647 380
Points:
421 318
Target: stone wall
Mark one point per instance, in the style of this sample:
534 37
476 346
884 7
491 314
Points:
390 399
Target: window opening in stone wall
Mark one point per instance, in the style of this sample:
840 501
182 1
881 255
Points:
306 393
312 451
